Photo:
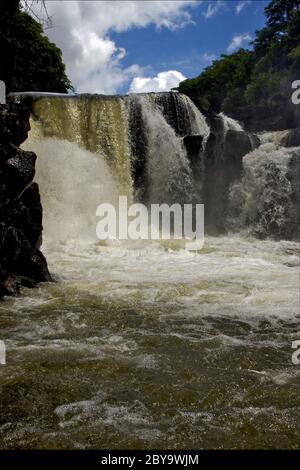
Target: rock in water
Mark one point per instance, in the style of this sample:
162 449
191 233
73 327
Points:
226 146
291 138
21 261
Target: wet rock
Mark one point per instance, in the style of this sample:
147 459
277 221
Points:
193 145
291 138
223 165
21 261
14 124
268 118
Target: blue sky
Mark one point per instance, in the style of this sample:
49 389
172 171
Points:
189 49
147 45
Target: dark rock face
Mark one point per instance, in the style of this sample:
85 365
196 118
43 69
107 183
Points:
138 147
257 118
294 177
263 118
21 261
223 166
194 145
291 138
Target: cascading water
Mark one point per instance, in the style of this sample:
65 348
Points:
69 197
146 344
266 200
166 118
159 149
224 150
138 139
230 124
169 178
95 123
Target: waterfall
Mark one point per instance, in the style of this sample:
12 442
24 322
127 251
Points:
230 124
72 181
95 123
266 200
93 148
158 148
159 154
169 177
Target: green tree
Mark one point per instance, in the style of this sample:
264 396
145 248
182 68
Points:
261 76
275 48
224 81
31 61
282 27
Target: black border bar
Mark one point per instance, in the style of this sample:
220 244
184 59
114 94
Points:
94 459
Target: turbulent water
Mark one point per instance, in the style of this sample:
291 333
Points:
266 200
144 344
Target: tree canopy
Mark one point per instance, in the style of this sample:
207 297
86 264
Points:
262 75
30 62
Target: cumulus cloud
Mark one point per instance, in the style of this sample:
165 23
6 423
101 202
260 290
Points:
241 5
208 57
163 81
81 29
213 8
238 40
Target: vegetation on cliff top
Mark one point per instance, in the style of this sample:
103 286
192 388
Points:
263 75
30 62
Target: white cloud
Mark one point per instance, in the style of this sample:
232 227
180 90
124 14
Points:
163 81
213 8
81 29
238 40
241 5
208 57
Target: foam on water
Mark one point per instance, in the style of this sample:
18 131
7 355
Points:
265 201
139 343
131 344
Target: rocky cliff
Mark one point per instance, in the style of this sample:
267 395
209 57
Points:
21 261
268 118
256 118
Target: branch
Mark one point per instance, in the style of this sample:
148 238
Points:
43 17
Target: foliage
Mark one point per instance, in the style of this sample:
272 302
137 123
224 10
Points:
226 78
261 76
32 62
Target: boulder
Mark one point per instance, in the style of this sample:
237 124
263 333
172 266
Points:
291 138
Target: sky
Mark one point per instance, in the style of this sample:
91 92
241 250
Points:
124 46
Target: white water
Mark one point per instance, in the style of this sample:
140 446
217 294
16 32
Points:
168 170
263 200
73 182
143 344
230 124
151 346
